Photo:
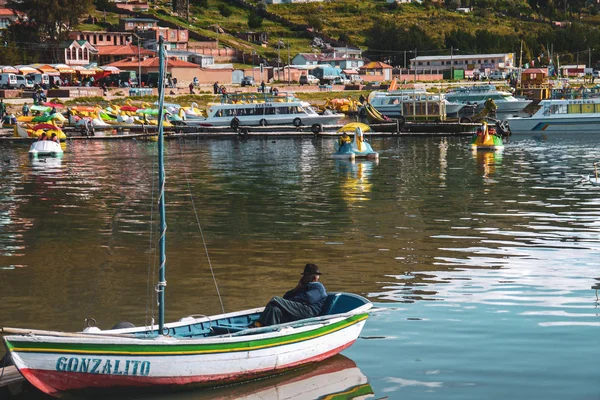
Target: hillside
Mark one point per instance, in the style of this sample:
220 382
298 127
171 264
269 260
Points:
385 32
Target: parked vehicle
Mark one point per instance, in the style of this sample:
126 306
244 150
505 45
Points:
309 80
498 75
327 74
341 80
23 82
41 79
8 81
248 81
596 74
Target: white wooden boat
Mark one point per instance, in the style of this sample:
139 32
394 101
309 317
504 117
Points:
45 148
554 116
193 351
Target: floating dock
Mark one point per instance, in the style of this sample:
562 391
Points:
119 132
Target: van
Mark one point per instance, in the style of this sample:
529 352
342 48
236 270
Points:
498 75
41 79
8 81
24 83
309 80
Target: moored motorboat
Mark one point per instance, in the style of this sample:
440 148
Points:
555 116
268 110
478 94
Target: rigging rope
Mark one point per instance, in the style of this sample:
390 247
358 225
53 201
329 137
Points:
151 260
212 272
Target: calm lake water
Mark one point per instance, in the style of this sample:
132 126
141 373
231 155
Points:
481 266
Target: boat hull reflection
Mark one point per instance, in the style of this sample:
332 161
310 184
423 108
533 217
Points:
335 378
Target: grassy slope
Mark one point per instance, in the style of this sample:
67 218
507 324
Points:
351 17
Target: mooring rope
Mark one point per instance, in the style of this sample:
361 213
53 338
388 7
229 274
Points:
212 272
151 257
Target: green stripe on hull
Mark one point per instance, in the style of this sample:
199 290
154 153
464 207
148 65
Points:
177 349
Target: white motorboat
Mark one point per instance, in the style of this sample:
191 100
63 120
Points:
572 115
477 95
392 104
45 148
265 110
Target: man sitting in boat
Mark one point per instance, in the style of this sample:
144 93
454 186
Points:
303 301
43 136
54 138
344 139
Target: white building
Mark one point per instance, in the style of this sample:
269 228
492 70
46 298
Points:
489 62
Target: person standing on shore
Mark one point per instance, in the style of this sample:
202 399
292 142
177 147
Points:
2 108
216 87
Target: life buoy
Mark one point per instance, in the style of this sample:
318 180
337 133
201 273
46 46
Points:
297 122
263 122
235 123
465 120
316 128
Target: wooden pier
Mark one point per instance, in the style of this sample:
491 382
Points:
12 382
142 132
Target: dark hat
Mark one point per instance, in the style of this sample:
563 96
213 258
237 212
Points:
311 269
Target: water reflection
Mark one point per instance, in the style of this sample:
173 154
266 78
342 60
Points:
487 161
336 378
354 179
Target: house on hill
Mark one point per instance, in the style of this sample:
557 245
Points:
78 52
254 37
182 70
329 58
111 54
376 71
99 38
132 24
8 16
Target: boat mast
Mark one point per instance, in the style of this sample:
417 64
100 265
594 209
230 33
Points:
162 283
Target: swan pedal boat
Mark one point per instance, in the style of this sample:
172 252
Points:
486 139
357 148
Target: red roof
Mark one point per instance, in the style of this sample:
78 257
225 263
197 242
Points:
125 50
376 65
536 71
7 12
152 62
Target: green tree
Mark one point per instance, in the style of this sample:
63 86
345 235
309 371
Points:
315 21
388 40
224 10
52 20
254 20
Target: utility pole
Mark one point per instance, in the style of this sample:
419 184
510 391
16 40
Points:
415 66
253 53
289 71
589 57
452 63
405 59
278 57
